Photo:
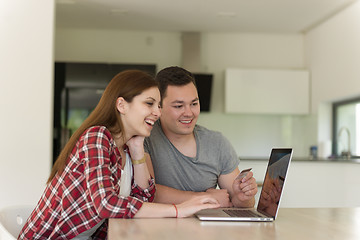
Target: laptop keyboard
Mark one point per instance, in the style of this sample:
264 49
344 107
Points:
241 213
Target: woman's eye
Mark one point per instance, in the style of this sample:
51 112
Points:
150 103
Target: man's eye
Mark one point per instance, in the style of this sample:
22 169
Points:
177 106
195 103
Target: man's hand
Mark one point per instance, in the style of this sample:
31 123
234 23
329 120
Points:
221 195
245 188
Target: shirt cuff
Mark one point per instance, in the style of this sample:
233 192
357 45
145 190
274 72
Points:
146 195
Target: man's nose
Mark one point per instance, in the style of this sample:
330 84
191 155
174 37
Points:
188 111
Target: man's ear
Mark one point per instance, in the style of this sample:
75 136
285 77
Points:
121 105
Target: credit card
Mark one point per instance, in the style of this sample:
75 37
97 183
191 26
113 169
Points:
243 173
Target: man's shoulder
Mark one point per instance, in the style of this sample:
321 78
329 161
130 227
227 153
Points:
207 132
210 137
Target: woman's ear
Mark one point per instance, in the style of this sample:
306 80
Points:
121 105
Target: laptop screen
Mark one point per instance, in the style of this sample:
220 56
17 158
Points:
274 181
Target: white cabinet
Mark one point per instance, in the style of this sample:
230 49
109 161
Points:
264 91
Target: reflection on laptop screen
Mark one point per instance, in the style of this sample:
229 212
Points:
274 181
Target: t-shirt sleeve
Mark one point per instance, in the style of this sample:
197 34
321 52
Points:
228 156
147 145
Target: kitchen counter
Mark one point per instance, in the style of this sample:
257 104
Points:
314 183
291 223
307 159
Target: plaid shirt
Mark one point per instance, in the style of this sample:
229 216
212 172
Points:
86 192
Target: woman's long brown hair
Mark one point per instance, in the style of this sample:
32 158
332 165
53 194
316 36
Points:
126 84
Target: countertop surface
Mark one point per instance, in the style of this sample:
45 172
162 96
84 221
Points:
291 223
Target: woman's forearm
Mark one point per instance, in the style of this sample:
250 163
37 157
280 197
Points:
141 175
156 210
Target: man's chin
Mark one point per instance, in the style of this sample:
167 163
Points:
186 131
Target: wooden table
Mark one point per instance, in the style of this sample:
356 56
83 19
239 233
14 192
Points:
291 224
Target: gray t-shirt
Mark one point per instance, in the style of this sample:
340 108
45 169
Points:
215 156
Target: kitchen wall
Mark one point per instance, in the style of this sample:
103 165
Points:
26 95
332 53
106 46
255 135
251 135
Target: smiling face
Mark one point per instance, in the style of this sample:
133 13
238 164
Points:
180 110
139 115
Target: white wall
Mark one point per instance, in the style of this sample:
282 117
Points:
255 135
251 135
107 46
26 97
333 56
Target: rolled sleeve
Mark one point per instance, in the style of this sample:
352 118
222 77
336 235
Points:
146 195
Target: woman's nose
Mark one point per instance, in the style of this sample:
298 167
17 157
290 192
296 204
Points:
157 111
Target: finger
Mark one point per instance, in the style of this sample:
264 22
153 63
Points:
249 182
237 181
210 205
237 184
248 176
249 185
209 200
251 192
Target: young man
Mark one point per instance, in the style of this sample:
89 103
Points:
189 159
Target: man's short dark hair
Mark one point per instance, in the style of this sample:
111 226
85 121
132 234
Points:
173 76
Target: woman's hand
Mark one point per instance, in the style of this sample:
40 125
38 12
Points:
196 204
185 209
221 195
141 172
136 147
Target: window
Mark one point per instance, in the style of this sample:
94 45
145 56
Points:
346 128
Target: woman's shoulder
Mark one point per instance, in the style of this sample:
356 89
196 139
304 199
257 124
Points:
101 129
97 132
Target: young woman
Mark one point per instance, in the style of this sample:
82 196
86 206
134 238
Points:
102 173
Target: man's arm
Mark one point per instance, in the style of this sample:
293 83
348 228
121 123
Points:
242 191
165 194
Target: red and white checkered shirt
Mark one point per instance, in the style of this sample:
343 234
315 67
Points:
86 192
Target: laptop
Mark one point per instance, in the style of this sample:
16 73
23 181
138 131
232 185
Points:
269 201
